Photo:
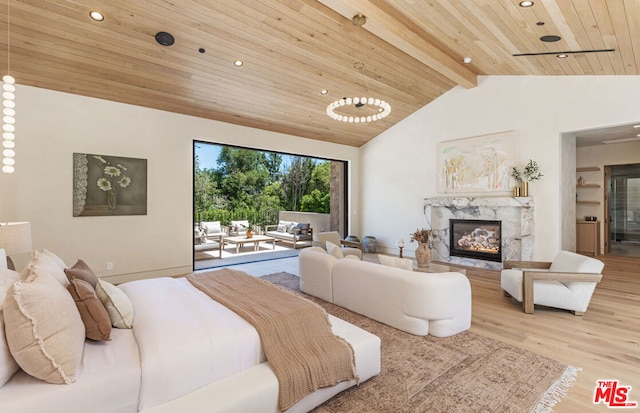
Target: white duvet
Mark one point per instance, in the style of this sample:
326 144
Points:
185 339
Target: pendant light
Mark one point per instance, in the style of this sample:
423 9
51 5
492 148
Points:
8 108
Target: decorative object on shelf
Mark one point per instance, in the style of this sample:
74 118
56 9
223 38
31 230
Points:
15 238
369 244
531 172
581 181
109 185
423 252
401 246
590 218
384 109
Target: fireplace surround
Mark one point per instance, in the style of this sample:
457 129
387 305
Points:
517 226
475 238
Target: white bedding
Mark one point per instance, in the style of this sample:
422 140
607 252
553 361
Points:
186 340
107 381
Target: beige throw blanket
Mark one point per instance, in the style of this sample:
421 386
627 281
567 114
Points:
296 334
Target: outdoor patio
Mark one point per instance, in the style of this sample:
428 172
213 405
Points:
246 254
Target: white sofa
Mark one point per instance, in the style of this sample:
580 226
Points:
418 303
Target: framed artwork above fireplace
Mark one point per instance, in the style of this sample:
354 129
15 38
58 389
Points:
478 164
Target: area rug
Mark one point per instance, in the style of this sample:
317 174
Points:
464 373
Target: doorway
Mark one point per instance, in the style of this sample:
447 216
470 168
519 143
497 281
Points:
622 207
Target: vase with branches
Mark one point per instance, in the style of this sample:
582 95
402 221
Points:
530 173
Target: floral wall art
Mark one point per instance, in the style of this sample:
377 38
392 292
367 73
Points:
478 164
109 185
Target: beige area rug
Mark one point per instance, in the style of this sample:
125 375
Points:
463 373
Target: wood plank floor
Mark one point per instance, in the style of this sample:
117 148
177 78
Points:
604 343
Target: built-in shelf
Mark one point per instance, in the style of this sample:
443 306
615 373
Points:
588 186
588 202
588 169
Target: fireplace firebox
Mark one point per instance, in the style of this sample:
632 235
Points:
474 238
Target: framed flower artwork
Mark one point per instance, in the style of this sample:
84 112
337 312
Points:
109 185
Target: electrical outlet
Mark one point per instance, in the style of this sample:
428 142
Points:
109 266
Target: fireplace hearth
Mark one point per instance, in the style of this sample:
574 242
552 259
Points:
476 238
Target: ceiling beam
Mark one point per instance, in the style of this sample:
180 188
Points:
391 26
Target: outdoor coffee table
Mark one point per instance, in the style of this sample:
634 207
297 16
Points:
255 240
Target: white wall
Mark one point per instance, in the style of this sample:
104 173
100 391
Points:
399 166
50 126
601 155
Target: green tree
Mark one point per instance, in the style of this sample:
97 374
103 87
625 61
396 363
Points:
316 201
296 181
244 175
321 177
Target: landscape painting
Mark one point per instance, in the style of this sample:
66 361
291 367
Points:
109 185
478 164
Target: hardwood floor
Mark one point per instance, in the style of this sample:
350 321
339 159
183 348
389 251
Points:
604 343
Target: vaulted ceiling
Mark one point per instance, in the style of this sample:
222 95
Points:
407 53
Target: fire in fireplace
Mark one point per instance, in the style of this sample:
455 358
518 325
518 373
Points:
474 238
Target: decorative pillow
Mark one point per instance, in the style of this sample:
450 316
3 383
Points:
97 324
8 365
282 226
82 271
303 227
44 262
43 328
397 262
212 227
291 228
3 259
117 304
334 250
57 259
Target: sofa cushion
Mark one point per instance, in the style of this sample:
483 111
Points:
8 365
95 318
117 304
303 227
292 227
397 262
82 271
43 327
567 261
211 227
335 250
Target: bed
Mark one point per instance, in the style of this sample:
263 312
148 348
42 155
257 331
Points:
184 352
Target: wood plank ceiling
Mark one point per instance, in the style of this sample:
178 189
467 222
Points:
407 53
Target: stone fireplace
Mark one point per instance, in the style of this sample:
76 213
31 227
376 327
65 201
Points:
515 215
475 238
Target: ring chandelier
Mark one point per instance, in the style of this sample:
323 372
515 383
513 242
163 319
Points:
383 107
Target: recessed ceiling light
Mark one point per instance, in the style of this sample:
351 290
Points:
550 38
165 38
621 140
324 91
467 60
238 62
562 56
96 15
526 3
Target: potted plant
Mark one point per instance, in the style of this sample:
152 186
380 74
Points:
531 172
423 252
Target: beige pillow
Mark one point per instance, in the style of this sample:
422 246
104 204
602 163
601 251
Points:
8 365
397 262
57 259
334 250
117 304
95 318
82 271
43 261
43 327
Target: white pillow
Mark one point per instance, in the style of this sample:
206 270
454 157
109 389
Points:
43 328
44 262
57 259
334 250
117 304
397 262
8 365
3 259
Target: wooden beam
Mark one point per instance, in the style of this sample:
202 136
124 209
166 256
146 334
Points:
391 26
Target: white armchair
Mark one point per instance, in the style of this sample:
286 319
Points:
348 247
568 282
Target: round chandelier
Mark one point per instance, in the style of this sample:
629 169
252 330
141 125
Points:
384 109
